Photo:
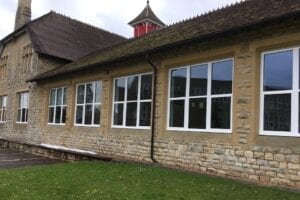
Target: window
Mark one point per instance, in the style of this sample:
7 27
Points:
132 101
280 93
3 101
26 58
58 106
200 97
3 67
23 107
88 104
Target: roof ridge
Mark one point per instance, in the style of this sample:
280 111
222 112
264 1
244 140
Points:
86 24
214 10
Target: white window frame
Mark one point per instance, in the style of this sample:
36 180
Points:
294 95
21 97
84 104
55 106
208 97
124 103
3 109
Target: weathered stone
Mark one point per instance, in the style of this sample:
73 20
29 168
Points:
269 156
279 157
248 154
293 159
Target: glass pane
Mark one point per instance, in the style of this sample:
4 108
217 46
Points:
51 115
277 112
132 87
98 92
59 96
220 113
19 115
88 114
177 113
145 114
65 96
1 102
278 71
80 94
20 100
57 114
97 113
4 102
198 85
178 82
79 113
24 115
131 114
120 89
25 100
197 114
118 114
146 86
52 97
222 77
4 115
63 120
89 93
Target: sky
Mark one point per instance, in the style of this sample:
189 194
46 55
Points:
111 15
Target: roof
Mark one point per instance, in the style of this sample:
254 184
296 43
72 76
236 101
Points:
147 14
62 37
235 17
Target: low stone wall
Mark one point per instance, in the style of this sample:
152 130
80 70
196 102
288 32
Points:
262 165
266 165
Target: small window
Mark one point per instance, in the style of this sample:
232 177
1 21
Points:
132 101
58 106
88 104
26 54
3 102
3 67
280 93
23 107
200 97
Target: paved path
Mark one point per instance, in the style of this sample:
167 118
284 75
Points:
15 159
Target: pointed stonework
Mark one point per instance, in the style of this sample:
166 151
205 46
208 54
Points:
23 15
146 22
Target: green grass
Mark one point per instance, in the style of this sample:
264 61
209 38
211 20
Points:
97 180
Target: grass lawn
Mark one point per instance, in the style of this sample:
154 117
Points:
97 180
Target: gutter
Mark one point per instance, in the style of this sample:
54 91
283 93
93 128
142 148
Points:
153 107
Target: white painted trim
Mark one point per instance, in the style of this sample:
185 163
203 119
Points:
56 106
208 97
125 101
84 104
21 97
3 108
294 95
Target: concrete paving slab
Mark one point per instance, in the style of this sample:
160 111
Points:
16 159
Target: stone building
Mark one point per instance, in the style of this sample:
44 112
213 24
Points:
217 94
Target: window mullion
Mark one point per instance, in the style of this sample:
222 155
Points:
138 102
295 96
84 103
186 99
125 103
94 102
208 98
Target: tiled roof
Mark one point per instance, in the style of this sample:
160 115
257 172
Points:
60 36
147 13
234 17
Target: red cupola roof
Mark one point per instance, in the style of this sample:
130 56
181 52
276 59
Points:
146 22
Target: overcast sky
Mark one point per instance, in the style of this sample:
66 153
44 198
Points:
112 15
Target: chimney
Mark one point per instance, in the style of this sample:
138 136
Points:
23 15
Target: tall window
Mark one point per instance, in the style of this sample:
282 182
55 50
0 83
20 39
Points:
23 107
132 101
88 104
280 90
58 106
200 97
26 58
3 67
3 101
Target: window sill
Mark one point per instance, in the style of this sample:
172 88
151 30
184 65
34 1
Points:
22 123
87 126
132 127
222 131
279 134
50 124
